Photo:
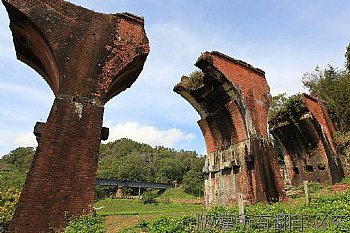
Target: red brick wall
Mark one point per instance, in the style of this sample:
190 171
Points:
253 87
308 146
320 113
86 58
234 128
62 175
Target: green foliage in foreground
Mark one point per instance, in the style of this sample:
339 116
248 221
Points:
164 224
8 202
328 204
86 224
331 204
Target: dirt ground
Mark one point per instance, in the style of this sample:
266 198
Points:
118 222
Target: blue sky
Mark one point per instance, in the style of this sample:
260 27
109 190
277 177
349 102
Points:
285 38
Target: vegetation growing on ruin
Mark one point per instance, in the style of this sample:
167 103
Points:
196 79
332 86
288 108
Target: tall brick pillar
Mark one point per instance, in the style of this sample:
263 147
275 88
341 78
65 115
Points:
86 58
233 98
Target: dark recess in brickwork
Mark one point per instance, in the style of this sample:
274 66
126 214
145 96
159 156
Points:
307 144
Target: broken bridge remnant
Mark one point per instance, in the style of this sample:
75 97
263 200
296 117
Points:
86 58
307 143
233 99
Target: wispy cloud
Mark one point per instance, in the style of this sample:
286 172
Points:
27 92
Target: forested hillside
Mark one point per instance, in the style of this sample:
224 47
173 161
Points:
123 159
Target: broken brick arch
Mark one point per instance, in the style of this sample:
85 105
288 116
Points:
307 143
86 58
232 99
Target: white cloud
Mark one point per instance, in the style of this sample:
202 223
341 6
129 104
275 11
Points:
148 134
25 139
11 139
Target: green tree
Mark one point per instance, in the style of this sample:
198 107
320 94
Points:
347 57
193 182
11 180
122 159
333 87
19 159
278 102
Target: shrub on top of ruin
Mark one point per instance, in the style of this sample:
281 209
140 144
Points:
288 108
196 79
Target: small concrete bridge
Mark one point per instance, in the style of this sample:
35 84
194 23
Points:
133 184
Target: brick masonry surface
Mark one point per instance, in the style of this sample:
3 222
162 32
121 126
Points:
307 145
233 98
86 58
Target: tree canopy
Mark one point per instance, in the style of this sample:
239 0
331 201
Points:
332 85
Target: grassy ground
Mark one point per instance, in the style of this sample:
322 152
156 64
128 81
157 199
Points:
178 193
122 213
110 207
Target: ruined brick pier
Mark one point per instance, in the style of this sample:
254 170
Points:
233 98
307 144
86 58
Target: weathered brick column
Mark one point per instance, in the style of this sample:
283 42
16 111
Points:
86 58
233 98
307 143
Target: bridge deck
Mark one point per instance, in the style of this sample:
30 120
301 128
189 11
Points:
133 184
